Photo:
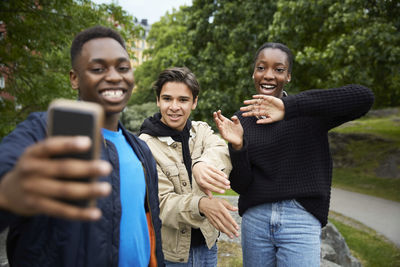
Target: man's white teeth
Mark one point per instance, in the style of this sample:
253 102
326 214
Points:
266 86
112 93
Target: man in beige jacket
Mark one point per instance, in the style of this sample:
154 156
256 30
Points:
183 149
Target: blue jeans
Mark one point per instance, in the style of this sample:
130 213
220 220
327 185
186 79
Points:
280 234
199 256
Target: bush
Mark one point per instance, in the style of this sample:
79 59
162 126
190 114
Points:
133 116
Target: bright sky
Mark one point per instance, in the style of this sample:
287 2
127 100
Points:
151 10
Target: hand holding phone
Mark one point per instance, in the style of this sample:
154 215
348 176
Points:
33 185
77 118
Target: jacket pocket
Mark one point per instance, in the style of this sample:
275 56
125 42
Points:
172 173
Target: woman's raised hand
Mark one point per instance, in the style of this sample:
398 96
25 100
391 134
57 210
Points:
266 108
230 130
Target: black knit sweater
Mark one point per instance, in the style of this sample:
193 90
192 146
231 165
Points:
290 159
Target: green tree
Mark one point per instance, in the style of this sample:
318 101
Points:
339 42
216 39
225 34
168 41
34 53
334 43
134 115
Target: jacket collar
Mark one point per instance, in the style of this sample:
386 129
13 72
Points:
169 141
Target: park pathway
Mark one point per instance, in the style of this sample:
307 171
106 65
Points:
379 214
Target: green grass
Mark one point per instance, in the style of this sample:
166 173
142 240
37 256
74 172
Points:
365 244
229 192
354 180
229 254
362 157
387 127
360 174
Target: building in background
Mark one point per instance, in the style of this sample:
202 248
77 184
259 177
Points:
140 45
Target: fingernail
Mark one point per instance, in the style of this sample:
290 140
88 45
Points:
104 187
105 167
82 141
95 214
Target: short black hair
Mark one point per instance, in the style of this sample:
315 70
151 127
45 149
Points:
177 74
92 33
279 46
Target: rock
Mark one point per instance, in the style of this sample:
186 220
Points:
327 252
390 167
3 256
334 248
326 263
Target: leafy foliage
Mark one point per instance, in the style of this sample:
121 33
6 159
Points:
334 43
169 47
34 53
224 35
340 42
134 115
216 40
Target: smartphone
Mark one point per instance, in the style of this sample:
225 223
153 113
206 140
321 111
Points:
72 118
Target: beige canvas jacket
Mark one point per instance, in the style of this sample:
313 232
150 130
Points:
179 202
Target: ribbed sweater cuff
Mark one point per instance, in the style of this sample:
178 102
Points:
237 155
291 108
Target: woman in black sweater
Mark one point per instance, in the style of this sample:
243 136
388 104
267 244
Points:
282 167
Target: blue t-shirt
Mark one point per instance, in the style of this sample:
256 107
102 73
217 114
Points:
134 241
